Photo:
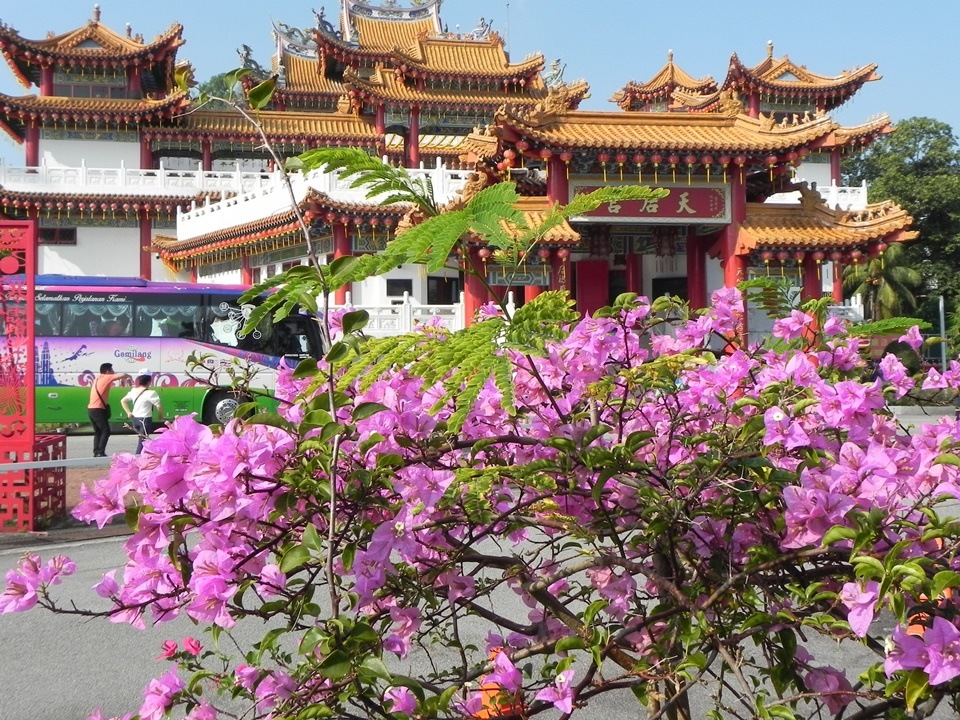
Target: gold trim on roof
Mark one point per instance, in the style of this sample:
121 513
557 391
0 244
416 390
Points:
465 58
76 43
535 211
318 127
303 76
385 35
811 224
669 78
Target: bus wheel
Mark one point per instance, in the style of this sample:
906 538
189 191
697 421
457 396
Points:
220 407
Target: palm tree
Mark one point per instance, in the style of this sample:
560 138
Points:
885 283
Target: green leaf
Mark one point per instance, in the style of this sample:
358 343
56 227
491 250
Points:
572 642
947 459
375 667
233 77
837 533
917 684
335 666
355 321
313 637
943 580
294 557
312 539
592 609
306 368
261 95
367 409
338 353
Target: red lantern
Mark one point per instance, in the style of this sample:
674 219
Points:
484 254
783 256
522 145
855 255
566 156
882 247
603 157
563 253
546 153
819 255
799 255
639 159
766 256
543 254
509 154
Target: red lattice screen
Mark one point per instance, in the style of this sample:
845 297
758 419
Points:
19 502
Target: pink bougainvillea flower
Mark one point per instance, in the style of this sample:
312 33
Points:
401 700
860 603
833 686
159 696
561 694
169 650
192 646
913 338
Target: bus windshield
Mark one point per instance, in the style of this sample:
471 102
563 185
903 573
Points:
143 326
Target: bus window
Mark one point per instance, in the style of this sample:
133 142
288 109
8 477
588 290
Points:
292 338
97 319
46 319
165 320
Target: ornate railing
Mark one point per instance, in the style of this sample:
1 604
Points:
131 181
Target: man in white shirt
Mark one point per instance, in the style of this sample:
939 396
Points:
139 404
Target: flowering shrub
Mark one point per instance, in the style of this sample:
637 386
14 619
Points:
671 510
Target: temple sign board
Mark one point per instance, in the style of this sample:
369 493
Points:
687 204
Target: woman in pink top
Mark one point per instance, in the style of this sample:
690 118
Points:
97 408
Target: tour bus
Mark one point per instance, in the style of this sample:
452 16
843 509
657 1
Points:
151 327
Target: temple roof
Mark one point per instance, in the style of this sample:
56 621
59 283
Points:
429 144
92 42
280 126
535 211
662 86
458 57
782 77
811 224
550 125
83 110
303 77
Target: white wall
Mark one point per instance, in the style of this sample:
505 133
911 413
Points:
99 251
92 153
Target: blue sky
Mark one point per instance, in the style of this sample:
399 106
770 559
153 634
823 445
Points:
608 42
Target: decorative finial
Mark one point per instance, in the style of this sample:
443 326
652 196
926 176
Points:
96 13
129 30
669 55
769 48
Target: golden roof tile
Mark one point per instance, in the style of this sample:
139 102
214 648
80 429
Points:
319 127
383 36
661 86
866 132
811 224
783 76
111 106
535 211
94 40
303 76
465 58
718 132
435 144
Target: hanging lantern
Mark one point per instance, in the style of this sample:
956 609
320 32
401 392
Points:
771 163
638 161
509 154
818 258
656 159
603 159
621 159
707 161
740 161
782 256
724 163
766 256
522 146
690 160
567 156
484 254
563 253
673 160
881 249
543 254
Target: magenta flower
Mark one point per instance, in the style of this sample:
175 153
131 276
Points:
401 700
781 428
22 584
247 676
792 326
943 651
505 674
860 603
159 696
913 338
192 646
561 694
833 686
169 650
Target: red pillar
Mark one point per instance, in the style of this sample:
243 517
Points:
133 82
32 145
634 273
593 285
812 288
837 283
474 292
341 248
558 186
246 272
733 264
835 166
146 153
696 272
146 240
560 270
381 120
753 105
46 80
530 292
413 139
206 148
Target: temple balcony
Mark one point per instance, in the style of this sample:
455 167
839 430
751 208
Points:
274 198
845 198
60 180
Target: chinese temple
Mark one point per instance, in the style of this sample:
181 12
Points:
127 174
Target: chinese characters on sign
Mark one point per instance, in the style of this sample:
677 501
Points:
686 204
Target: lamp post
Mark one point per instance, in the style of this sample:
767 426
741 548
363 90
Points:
943 335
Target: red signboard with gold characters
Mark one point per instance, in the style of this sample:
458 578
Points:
696 203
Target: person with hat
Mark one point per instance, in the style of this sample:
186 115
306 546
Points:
139 404
98 409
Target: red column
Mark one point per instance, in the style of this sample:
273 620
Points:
593 285
46 80
246 272
733 264
133 82
474 292
560 270
146 240
530 292
838 283
753 105
413 139
381 120
146 153
206 148
696 272
558 186
634 273
33 145
835 166
341 248
812 288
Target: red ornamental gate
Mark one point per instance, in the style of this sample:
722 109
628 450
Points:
27 497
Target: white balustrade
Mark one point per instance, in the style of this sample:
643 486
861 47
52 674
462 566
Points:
390 319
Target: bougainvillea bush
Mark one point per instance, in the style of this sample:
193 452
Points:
675 514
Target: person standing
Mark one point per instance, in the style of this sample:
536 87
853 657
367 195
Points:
98 409
139 404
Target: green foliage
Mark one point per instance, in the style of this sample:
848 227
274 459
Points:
886 284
